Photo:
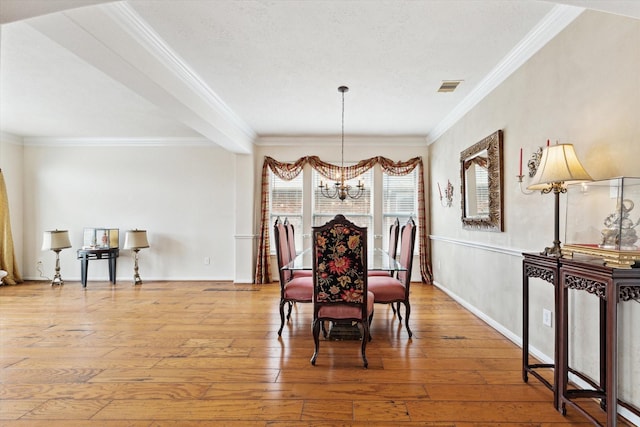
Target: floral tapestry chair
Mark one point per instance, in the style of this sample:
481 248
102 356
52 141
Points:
340 279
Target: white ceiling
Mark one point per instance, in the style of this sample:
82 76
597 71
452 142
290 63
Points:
233 72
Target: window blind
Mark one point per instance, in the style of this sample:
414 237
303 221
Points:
285 201
399 200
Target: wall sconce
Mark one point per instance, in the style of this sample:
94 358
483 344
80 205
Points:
532 164
56 240
448 194
136 240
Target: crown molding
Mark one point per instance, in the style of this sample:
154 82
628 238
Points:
11 138
357 140
146 36
554 22
117 142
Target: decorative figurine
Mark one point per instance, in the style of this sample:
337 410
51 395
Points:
620 230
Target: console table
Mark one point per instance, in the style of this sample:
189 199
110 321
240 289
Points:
610 285
110 254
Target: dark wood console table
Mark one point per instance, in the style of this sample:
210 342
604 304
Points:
610 285
84 255
545 268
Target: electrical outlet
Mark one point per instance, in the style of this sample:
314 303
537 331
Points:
546 317
207 260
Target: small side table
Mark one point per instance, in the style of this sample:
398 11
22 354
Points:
84 255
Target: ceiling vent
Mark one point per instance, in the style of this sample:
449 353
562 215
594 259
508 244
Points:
449 85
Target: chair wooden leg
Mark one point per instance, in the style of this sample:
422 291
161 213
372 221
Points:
282 302
398 309
365 327
316 339
407 312
290 308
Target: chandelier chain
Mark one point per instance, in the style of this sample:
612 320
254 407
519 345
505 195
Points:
341 190
342 140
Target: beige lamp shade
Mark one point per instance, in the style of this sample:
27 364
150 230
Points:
559 163
55 240
136 239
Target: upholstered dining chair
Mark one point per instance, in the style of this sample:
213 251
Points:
291 239
340 279
292 289
392 248
391 290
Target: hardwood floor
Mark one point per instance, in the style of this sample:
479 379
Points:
208 353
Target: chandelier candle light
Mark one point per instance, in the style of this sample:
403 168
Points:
340 190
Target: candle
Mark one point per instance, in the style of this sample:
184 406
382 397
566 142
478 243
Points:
439 191
547 142
520 161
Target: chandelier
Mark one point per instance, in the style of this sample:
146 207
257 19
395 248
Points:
340 190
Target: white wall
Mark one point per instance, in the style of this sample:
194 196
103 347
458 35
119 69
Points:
582 88
195 202
185 197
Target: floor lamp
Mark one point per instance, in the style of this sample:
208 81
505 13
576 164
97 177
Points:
136 240
559 166
56 240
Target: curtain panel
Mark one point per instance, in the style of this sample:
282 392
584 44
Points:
288 171
8 261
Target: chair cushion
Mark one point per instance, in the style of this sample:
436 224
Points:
340 311
299 289
386 289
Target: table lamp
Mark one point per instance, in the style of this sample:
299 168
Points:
559 166
56 240
136 240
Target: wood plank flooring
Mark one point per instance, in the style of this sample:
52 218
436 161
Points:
208 354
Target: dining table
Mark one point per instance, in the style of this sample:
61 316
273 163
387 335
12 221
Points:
377 260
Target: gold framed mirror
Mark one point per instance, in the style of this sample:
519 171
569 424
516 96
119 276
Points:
481 178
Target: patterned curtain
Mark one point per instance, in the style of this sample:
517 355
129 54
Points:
288 171
7 258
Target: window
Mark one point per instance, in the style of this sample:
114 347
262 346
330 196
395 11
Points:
399 200
359 211
285 201
301 202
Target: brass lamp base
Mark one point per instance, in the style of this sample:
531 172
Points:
57 279
553 251
136 277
